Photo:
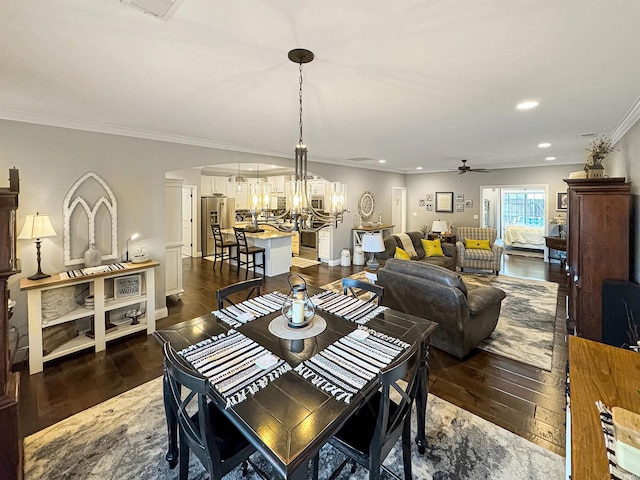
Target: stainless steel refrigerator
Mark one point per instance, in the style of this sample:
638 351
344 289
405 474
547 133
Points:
220 210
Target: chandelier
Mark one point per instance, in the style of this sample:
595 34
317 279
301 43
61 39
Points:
304 216
299 207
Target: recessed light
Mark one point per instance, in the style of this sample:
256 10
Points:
418 168
544 145
382 161
527 105
550 158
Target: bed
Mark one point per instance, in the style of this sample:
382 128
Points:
524 237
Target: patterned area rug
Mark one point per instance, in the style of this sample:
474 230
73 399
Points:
125 438
303 262
527 318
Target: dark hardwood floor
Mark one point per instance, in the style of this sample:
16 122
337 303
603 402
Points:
523 399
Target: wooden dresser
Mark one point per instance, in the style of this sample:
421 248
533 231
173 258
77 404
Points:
10 441
597 372
597 247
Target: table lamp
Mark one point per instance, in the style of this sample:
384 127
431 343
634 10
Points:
37 227
132 237
372 243
439 227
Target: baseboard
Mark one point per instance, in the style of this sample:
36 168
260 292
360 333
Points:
161 313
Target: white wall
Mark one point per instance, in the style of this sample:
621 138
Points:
625 162
51 159
470 184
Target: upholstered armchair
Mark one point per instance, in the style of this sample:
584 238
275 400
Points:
487 257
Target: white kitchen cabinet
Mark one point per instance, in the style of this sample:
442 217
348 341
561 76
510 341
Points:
239 191
103 288
317 187
277 184
325 244
220 185
206 186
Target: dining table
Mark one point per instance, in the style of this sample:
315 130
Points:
290 416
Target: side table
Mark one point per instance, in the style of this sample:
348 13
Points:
446 238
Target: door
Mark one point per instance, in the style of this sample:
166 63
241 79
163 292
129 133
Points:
187 219
399 208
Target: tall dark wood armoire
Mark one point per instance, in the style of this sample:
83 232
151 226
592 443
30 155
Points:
598 216
10 442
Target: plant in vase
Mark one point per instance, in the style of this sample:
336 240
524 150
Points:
596 153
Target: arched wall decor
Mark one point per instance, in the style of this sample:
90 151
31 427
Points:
86 185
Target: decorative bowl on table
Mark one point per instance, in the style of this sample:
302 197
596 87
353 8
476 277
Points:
144 257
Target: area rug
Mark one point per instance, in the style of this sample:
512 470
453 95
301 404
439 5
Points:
303 262
336 286
527 318
125 438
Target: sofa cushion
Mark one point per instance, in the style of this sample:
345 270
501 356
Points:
432 248
401 254
472 243
478 254
428 271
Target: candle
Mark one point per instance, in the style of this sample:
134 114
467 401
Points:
298 311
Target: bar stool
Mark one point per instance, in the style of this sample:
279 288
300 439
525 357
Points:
220 245
247 250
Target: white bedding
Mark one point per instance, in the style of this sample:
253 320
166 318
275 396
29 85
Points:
524 237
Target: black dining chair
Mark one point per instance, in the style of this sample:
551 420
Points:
351 286
249 252
369 435
253 286
208 433
220 245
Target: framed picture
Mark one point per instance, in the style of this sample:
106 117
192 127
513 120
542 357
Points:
129 286
444 201
561 201
459 197
429 207
460 207
468 203
421 202
430 197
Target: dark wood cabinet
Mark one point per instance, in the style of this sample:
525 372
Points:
597 247
10 442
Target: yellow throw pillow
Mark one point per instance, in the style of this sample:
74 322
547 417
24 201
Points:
401 254
432 248
477 244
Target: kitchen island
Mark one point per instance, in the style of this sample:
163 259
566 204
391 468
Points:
277 246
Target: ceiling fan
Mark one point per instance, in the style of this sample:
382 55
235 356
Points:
464 169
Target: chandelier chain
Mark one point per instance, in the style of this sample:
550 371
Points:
301 142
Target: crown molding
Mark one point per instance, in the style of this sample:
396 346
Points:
628 121
53 121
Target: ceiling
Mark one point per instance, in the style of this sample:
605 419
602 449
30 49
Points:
416 83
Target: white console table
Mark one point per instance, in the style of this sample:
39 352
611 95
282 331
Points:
101 286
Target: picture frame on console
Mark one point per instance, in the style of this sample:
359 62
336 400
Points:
444 202
129 286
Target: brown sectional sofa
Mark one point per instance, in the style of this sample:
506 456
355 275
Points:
449 261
